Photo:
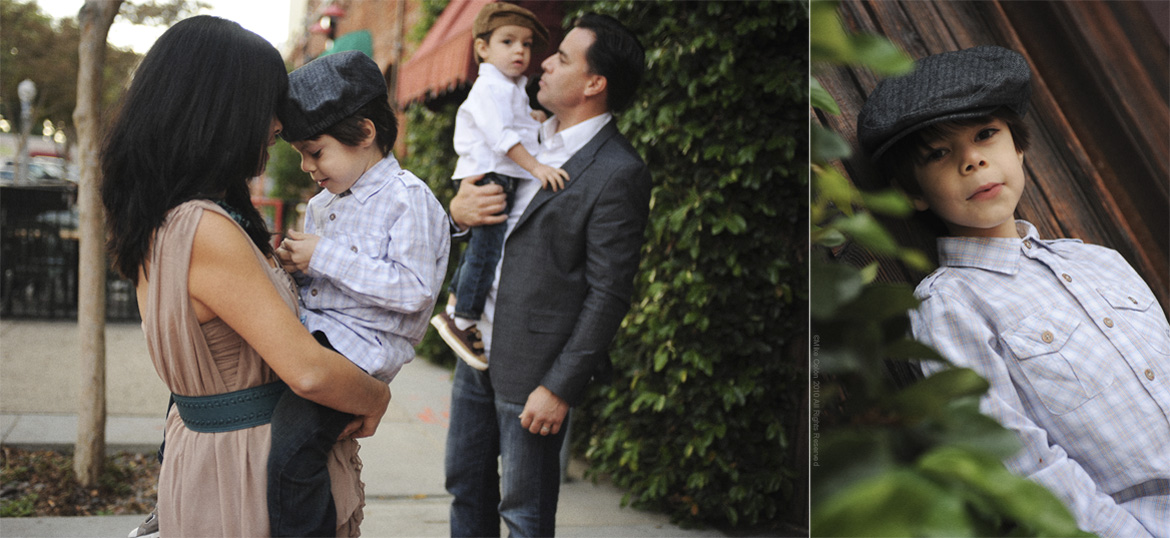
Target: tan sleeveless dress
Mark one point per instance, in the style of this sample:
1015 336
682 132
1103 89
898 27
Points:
215 484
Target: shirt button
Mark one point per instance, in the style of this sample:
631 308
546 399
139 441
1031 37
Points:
1108 322
313 293
333 216
1066 277
1150 375
353 249
1028 243
1046 336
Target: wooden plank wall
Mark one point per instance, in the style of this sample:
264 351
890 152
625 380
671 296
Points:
1099 163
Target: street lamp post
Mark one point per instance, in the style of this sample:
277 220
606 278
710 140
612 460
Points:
26 91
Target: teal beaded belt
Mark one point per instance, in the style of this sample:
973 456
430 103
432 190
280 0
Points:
230 411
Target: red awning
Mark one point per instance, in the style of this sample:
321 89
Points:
444 58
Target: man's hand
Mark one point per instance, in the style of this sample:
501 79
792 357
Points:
544 412
550 177
478 205
296 251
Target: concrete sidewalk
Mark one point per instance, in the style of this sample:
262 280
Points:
403 463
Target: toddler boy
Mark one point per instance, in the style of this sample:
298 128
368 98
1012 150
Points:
370 264
496 136
1071 339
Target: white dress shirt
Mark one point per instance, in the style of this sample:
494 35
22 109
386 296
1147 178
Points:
494 118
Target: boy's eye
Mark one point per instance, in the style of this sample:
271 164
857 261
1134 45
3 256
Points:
934 154
315 154
986 133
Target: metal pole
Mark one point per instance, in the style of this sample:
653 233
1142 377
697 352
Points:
27 91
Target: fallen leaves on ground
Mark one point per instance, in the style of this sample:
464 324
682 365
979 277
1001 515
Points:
38 483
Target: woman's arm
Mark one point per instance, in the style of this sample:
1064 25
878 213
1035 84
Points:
225 281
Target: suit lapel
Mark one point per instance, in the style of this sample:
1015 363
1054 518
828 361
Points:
575 167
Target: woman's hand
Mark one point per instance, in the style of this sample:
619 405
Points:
365 426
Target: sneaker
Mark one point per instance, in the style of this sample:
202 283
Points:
467 344
148 528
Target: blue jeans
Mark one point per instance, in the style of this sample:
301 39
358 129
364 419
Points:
484 427
473 279
300 495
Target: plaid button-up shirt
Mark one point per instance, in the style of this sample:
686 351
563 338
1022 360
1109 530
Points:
378 267
1077 352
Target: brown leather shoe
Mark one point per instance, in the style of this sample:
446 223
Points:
467 344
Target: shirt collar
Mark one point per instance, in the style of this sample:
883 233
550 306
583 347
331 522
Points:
491 71
574 138
999 254
373 180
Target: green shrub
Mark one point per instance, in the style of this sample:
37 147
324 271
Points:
431 156
703 416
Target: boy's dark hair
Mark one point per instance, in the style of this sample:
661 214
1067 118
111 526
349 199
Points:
898 162
349 130
194 123
617 55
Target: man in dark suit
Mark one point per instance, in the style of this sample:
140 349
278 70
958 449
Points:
563 286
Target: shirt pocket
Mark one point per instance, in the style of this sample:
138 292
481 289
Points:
367 245
1136 307
1045 345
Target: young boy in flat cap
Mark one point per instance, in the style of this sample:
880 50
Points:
369 264
495 136
1071 339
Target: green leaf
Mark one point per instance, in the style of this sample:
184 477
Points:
834 187
821 99
831 286
868 232
827 237
888 202
896 503
827 146
881 55
938 390
1022 500
915 259
827 39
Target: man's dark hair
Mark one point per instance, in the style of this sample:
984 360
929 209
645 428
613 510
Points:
349 130
897 163
617 55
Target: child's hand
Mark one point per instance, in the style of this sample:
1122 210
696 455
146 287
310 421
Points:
539 116
550 177
296 251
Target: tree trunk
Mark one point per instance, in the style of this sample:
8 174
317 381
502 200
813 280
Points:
94 21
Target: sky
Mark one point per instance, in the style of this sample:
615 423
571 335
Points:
269 18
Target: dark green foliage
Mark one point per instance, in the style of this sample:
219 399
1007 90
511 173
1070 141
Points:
703 416
431 156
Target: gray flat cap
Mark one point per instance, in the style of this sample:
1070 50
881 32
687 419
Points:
328 90
948 86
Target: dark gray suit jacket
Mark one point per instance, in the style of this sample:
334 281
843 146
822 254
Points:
568 273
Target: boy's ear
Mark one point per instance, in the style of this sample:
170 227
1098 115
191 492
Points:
481 47
371 132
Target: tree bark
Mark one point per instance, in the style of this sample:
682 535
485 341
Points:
94 21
